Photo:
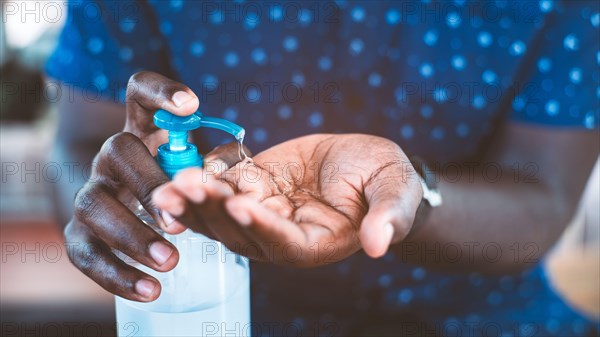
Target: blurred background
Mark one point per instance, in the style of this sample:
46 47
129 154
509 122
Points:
42 294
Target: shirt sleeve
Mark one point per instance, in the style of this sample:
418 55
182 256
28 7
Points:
103 43
562 85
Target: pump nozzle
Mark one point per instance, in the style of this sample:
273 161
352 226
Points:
222 124
178 154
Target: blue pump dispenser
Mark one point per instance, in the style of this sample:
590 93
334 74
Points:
210 286
178 153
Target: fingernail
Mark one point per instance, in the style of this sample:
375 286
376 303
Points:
239 214
160 252
224 189
145 287
167 218
198 196
388 231
181 97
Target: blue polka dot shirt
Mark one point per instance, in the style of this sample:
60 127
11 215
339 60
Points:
436 77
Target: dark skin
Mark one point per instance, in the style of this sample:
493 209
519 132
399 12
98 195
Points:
101 221
327 213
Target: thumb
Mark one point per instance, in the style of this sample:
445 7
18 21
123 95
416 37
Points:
148 91
393 197
376 238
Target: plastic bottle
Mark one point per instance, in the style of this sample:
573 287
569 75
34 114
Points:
208 292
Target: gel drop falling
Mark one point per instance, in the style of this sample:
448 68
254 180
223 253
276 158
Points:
241 152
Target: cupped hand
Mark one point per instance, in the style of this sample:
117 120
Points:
306 202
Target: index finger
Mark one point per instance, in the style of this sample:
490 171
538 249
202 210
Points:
126 161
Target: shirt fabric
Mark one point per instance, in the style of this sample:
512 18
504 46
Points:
436 77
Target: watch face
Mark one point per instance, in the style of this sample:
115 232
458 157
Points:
435 198
428 183
432 196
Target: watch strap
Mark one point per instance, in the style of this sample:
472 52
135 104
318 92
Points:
429 183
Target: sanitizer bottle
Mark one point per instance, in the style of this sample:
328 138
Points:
208 292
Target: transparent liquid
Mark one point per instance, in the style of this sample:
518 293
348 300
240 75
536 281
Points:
241 152
230 318
206 294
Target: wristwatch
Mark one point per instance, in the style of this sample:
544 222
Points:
431 194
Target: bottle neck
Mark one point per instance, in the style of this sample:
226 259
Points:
178 140
173 161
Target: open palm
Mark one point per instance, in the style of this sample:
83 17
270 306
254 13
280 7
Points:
308 201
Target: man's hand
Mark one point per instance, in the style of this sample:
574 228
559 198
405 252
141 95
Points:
125 169
306 202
